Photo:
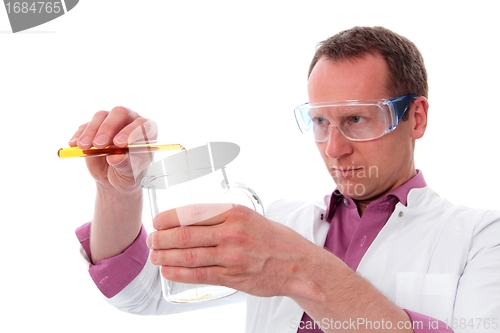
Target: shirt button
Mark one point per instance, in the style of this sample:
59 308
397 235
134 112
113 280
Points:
401 214
346 202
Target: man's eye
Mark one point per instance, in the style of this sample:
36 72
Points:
320 121
355 119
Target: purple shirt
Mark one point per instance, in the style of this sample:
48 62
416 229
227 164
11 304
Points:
349 237
113 274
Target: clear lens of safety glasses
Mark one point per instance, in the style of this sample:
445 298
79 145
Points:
356 120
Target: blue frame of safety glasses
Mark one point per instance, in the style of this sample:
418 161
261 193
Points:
401 105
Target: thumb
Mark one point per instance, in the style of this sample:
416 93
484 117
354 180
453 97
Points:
122 173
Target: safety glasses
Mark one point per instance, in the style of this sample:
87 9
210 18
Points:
356 120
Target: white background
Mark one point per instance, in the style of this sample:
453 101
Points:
208 70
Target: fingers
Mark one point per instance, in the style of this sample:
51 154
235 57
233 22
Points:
141 130
192 265
182 237
213 275
86 133
196 257
120 126
225 249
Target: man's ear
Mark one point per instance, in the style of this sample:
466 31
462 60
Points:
418 117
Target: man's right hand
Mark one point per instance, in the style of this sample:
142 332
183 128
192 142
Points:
118 207
120 127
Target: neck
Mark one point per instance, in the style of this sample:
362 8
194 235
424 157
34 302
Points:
362 204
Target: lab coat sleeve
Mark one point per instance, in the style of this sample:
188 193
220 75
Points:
424 324
143 295
132 284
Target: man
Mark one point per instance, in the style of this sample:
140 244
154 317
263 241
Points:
382 253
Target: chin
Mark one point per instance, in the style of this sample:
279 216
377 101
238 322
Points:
354 190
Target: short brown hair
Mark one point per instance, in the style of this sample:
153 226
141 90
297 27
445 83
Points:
407 73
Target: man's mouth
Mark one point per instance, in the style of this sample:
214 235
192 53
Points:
345 172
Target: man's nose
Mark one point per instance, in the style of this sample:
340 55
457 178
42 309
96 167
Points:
337 145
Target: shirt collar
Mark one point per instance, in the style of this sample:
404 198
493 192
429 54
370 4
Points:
401 193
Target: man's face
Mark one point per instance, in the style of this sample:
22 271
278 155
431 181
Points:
370 169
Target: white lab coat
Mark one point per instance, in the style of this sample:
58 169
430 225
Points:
431 257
